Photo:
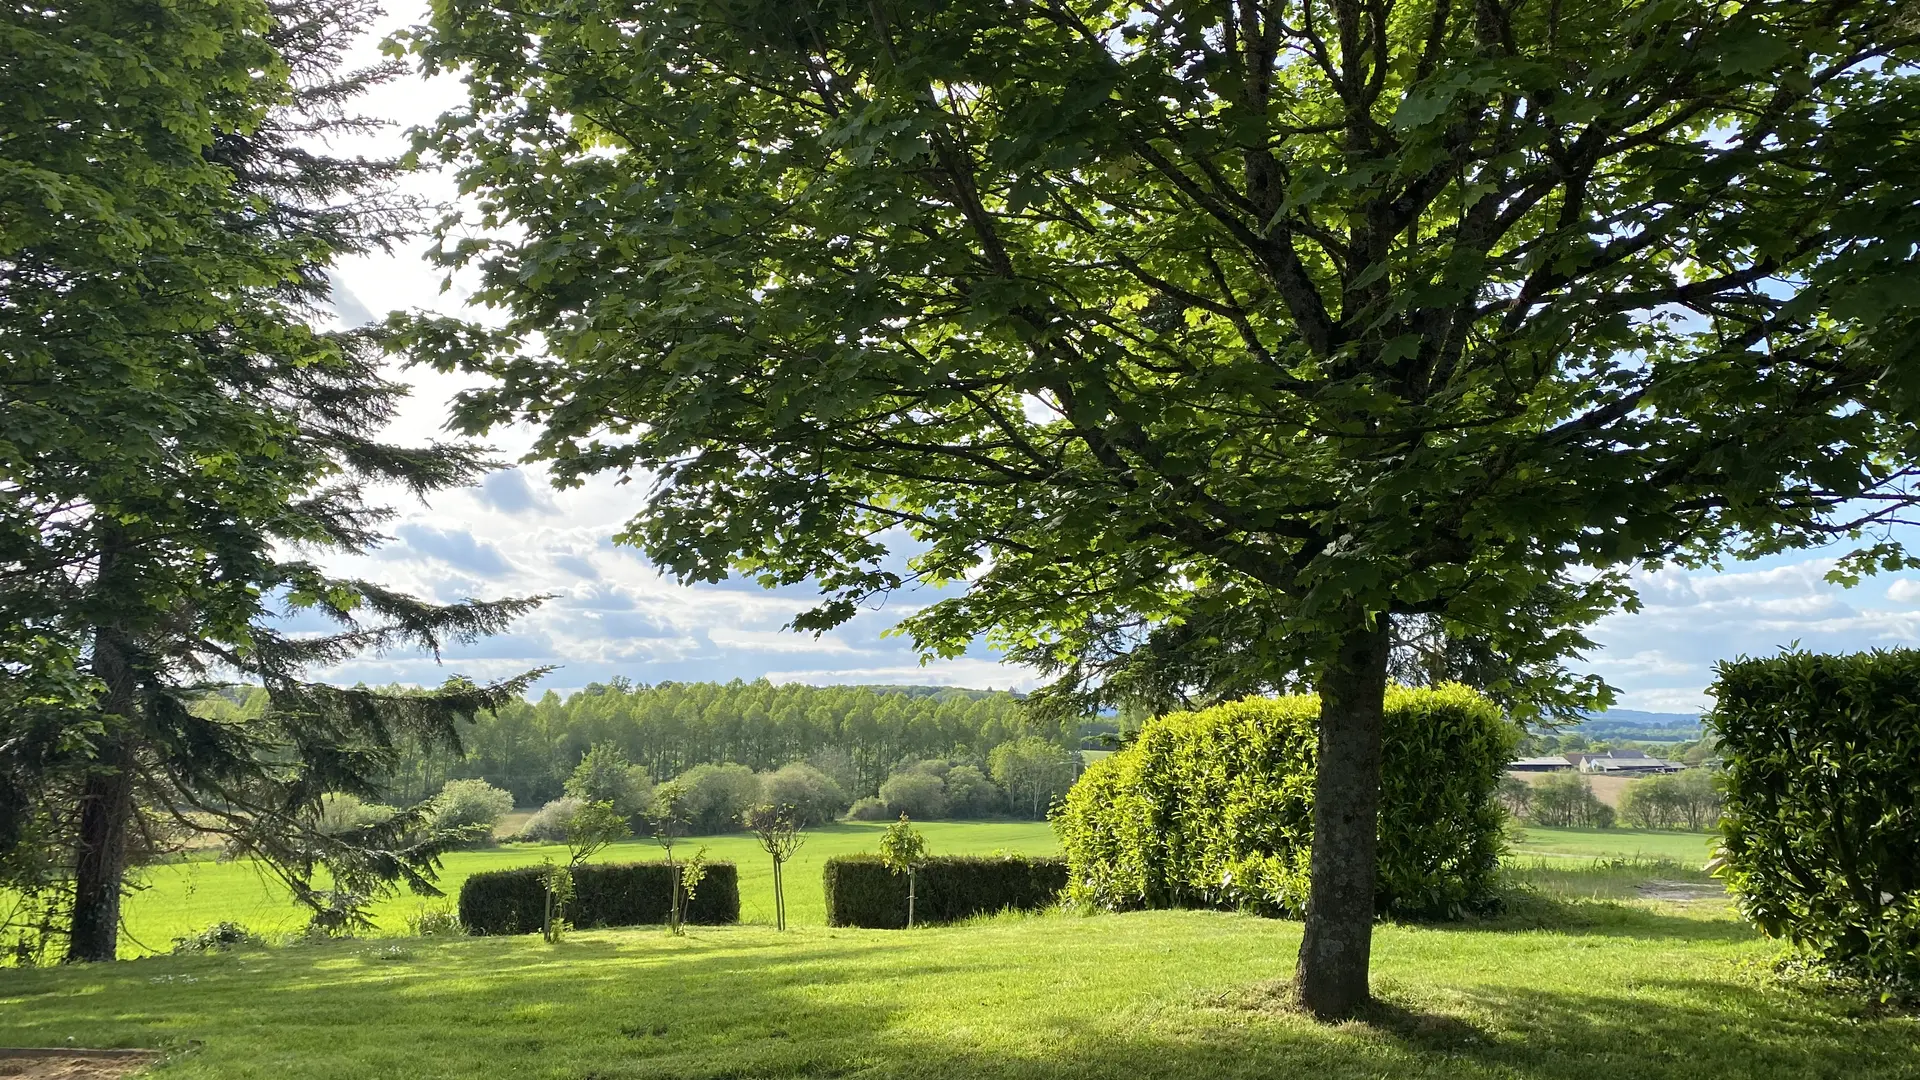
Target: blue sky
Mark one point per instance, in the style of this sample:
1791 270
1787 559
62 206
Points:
613 614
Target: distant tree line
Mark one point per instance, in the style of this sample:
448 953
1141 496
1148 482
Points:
858 736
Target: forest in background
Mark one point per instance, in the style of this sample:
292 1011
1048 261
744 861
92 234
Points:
859 735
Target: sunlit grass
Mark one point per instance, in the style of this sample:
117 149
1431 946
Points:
1684 847
177 898
1566 988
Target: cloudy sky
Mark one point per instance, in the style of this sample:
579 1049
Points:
614 614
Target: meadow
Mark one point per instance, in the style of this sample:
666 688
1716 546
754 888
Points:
1561 989
181 897
1597 968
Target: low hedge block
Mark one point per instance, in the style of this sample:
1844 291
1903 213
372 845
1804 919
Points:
862 892
605 894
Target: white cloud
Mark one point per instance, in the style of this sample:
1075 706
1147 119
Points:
613 614
966 671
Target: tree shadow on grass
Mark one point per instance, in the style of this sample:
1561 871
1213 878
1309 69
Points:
903 1007
1654 1030
1603 918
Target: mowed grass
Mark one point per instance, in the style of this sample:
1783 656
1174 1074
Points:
1624 991
1692 848
178 898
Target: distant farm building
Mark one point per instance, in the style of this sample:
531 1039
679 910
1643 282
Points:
1627 763
1555 763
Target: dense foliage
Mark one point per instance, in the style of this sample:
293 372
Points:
1687 800
1129 314
184 442
1215 808
1821 830
604 894
863 891
1564 799
856 735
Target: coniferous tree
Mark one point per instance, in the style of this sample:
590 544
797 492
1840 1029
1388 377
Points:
182 444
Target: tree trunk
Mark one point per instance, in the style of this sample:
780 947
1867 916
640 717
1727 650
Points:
779 901
106 811
1331 976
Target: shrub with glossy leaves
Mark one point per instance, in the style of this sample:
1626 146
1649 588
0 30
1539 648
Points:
1215 808
1820 835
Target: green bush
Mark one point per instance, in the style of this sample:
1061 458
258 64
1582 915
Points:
971 795
549 824
1820 834
868 809
472 805
342 814
717 795
219 937
861 891
1687 800
1566 800
604 894
813 795
919 795
1215 808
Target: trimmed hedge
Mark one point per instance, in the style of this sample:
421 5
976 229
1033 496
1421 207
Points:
1215 808
861 891
605 894
1820 835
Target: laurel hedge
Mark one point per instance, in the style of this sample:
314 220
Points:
605 894
861 891
1820 834
1215 808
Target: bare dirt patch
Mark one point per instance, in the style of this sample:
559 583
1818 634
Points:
69 1064
1681 892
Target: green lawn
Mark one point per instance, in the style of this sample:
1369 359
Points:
189 896
1684 847
182 897
1562 990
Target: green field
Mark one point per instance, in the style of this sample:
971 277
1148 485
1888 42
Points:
1683 847
1561 990
181 897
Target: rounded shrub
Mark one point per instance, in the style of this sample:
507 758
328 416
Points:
1215 808
971 795
918 795
868 809
549 824
814 796
474 806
